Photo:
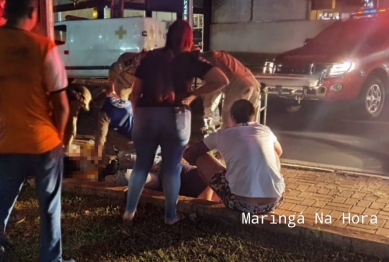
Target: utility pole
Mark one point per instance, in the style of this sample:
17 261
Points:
46 18
117 8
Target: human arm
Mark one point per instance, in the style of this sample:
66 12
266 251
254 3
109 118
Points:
55 83
193 152
214 80
278 148
277 145
136 93
101 133
60 112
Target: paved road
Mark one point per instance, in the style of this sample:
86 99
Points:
323 136
316 134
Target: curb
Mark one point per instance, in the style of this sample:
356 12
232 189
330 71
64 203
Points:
333 169
365 243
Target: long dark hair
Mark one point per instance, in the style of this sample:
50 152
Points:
178 39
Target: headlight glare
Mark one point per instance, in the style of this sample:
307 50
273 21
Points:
340 69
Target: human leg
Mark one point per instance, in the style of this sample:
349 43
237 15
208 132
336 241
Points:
206 194
145 134
254 97
49 170
191 183
174 138
114 139
153 180
12 175
211 102
208 166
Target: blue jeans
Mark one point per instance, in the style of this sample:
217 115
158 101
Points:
48 170
168 127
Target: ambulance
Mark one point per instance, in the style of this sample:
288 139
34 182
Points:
89 47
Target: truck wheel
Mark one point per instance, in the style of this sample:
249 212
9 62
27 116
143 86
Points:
372 99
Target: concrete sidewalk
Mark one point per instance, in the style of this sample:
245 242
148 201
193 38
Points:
348 210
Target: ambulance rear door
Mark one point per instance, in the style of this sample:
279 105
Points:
60 38
154 33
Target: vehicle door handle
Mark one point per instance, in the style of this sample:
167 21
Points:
66 52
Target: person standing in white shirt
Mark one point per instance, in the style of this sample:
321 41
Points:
251 181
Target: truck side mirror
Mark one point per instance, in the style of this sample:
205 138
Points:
308 41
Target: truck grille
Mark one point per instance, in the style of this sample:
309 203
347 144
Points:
306 69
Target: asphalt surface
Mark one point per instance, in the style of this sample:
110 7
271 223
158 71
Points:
327 136
317 135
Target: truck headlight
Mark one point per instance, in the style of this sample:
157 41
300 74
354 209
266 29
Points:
340 69
268 68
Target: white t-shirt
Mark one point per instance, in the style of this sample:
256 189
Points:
252 167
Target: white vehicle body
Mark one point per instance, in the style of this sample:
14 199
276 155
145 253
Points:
89 47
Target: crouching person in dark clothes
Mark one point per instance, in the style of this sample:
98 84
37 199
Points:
115 120
79 97
251 182
114 128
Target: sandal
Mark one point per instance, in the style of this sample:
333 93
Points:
178 219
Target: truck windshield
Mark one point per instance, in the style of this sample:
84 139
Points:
60 34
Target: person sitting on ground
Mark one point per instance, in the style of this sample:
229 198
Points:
252 181
243 84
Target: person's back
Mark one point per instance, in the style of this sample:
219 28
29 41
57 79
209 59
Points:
24 103
251 181
242 83
120 114
231 66
167 78
252 163
121 73
114 129
161 96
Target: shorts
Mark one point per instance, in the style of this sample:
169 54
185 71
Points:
220 186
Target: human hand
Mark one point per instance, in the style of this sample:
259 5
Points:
187 101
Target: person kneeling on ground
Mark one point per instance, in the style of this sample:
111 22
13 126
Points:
115 120
79 97
252 181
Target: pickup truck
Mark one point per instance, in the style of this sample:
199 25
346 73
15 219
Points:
347 62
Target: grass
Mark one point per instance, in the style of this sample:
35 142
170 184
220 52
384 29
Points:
92 231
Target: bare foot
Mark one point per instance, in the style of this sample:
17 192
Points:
128 218
178 219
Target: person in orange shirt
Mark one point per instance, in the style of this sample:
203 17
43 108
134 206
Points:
2 19
14 218
33 114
